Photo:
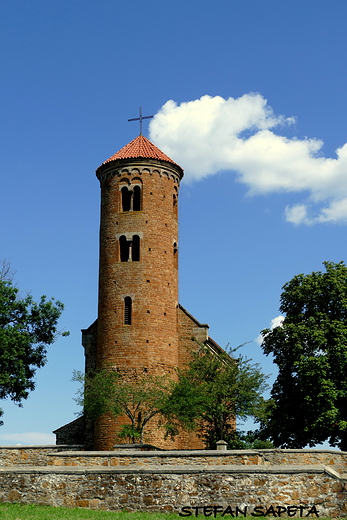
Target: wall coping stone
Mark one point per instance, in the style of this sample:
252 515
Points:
187 453
43 447
188 469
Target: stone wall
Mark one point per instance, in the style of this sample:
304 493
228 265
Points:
276 482
172 488
336 460
31 455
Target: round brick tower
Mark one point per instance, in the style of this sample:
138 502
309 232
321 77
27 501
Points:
137 328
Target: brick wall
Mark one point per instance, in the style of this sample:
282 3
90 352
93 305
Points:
151 340
150 343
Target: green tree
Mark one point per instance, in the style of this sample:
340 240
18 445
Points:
251 441
26 329
140 399
211 392
309 396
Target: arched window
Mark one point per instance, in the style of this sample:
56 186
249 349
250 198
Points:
126 198
124 247
137 198
127 310
136 248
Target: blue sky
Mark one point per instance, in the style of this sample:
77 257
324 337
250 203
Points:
249 98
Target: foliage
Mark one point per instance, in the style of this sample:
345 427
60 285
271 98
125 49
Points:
140 399
26 329
250 441
309 396
211 391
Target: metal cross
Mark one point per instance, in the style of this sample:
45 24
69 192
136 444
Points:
141 118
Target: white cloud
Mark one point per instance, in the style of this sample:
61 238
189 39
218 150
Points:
275 322
28 438
297 214
337 211
211 134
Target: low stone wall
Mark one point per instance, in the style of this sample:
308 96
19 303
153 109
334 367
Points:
307 491
276 483
68 455
31 455
334 459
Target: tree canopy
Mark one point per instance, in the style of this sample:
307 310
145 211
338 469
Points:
139 399
309 397
212 391
26 329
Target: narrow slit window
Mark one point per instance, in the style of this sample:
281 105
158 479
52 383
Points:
175 254
137 198
136 248
127 310
175 205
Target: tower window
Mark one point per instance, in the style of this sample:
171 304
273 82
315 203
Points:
131 198
137 198
127 310
124 248
136 248
175 205
126 199
175 254
129 249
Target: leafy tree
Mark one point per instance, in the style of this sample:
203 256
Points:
250 441
26 329
140 399
309 396
211 392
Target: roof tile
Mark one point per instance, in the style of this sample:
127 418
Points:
138 148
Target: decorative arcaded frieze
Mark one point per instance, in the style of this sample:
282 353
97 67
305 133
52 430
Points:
107 174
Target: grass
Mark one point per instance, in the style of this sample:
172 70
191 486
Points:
33 512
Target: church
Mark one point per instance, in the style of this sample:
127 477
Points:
141 327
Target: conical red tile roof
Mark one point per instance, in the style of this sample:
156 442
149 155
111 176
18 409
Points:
138 148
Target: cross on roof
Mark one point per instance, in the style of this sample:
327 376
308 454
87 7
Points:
140 119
